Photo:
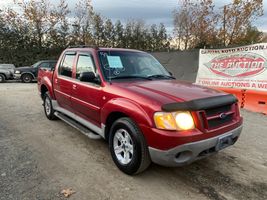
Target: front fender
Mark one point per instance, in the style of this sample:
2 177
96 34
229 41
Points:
48 84
127 107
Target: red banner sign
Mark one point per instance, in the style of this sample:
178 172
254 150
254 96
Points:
243 67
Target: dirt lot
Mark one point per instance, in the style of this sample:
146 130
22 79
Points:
39 158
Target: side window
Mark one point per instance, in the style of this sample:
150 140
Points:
52 65
85 64
66 65
44 65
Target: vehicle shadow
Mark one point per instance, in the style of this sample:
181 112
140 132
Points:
218 177
205 177
17 81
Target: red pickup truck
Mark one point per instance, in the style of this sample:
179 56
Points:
128 98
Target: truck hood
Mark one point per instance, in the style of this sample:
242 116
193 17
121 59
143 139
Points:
24 68
169 91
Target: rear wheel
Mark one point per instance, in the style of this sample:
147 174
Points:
128 147
48 107
2 78
26 78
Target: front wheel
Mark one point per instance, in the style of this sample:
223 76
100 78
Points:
2 78
26 78
128 147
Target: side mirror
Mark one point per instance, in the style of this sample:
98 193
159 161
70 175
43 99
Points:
88 77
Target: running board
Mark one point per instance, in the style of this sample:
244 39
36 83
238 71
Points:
77 126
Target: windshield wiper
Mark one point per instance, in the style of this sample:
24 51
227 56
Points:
130 77
160 76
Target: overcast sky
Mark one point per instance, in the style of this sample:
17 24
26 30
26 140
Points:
152 11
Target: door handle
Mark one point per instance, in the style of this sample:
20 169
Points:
56 81
74 87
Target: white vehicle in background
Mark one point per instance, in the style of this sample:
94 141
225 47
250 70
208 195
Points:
6 72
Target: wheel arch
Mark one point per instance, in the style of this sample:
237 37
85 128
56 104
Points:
118 108
46 86
28 73
112 117
43 90
3 75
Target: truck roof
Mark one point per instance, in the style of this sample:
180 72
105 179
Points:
48 61
84 47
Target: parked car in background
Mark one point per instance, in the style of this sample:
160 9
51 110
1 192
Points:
30 73
6 72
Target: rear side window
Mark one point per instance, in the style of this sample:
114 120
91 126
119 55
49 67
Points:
65 69
45 65
53 65
3 67
84 64
7 66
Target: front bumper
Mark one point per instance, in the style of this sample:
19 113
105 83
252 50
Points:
8 76
17 76
190 152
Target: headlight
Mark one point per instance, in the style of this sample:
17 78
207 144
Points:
17 72
174 121
184 121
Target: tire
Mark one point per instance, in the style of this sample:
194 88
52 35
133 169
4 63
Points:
2 78
48 107
26 78
131 155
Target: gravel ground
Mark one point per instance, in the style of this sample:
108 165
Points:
39 158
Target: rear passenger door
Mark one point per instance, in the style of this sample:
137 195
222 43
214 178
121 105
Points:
86 96
63 81
44 66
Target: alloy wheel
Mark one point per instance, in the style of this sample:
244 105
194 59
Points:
123 146
47 106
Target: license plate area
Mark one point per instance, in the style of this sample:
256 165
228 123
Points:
224 142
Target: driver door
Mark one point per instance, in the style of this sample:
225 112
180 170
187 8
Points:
86 96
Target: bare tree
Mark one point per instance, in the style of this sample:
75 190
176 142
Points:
40 17
194 23
83 23
184 23
237 18
63 28
204 23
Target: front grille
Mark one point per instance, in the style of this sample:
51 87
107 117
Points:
216 117
219 110
213 123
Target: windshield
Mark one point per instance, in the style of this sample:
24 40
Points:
7 66
36 64
129 64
